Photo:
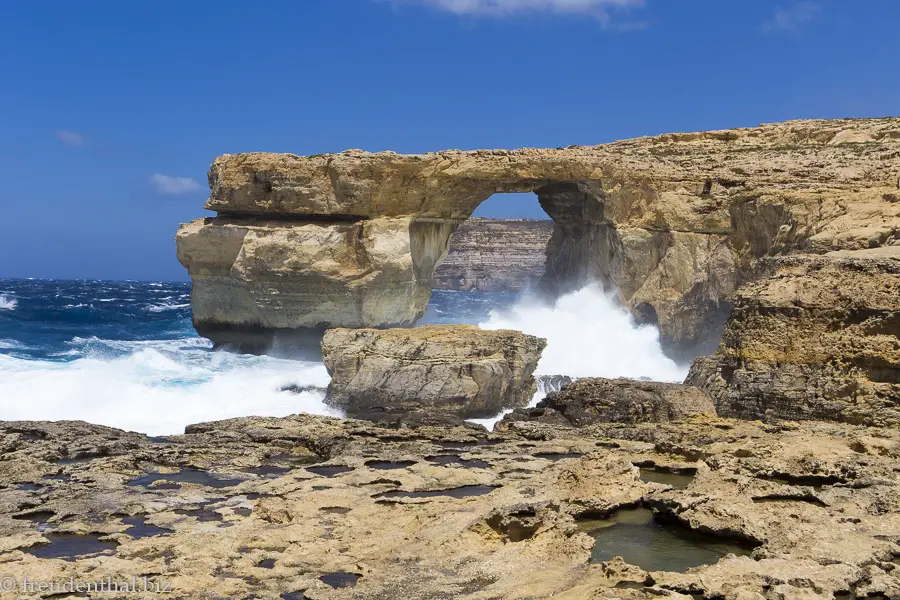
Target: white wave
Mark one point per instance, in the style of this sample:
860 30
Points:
7 303
159 387
588 335
165 307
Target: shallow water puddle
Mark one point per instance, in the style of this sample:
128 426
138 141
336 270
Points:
389 465
340 579
268 471
38 517
140 529
329 470
653 546
202 515
280 464
453 460
465 491
196 476
71 546
76 460
679 481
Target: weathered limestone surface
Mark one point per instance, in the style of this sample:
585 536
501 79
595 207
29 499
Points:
596 400
495 255
457 370
818 337
675 222
262 518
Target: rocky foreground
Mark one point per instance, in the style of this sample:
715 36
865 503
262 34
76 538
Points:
322 508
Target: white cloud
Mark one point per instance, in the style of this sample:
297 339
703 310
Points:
174 186
71 138
499 8
792 18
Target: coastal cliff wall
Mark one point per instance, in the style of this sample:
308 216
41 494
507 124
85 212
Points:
675 223
495 255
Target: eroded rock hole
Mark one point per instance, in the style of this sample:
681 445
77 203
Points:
653 544
340 579
678 479
195 476
70 547
464 491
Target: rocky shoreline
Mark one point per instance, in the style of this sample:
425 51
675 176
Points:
302 506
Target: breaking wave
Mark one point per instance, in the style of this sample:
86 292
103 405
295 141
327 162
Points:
7 303
588 335
156 387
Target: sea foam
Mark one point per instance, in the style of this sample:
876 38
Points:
156 387
7 303
588 335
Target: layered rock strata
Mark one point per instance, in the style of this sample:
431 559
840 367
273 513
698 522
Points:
495 255
456 370
675 223
321 508
817 337
596 400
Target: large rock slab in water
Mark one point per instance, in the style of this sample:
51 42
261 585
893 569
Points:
459 370
596 400
815 338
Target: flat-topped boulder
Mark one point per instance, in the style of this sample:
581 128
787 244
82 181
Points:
594 400
816 337
457 370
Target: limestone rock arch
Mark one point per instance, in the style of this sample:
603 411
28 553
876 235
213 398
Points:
674 223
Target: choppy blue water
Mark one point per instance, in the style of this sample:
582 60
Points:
62 320
124 353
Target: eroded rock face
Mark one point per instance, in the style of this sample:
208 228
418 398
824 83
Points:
815 338
274 508
457 370
596 400
495 255
675 222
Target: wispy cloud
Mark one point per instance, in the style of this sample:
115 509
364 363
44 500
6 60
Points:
174 186
71 138
500 8
792 18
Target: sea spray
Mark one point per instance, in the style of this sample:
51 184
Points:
157 388
7 303
588 335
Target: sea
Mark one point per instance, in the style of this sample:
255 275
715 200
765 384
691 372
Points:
124 353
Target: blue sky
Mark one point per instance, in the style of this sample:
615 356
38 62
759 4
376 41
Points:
112 111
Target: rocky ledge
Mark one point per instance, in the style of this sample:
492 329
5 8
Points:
456 371
322 508
816 337
596 400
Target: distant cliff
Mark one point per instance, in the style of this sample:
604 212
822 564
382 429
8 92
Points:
491 255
